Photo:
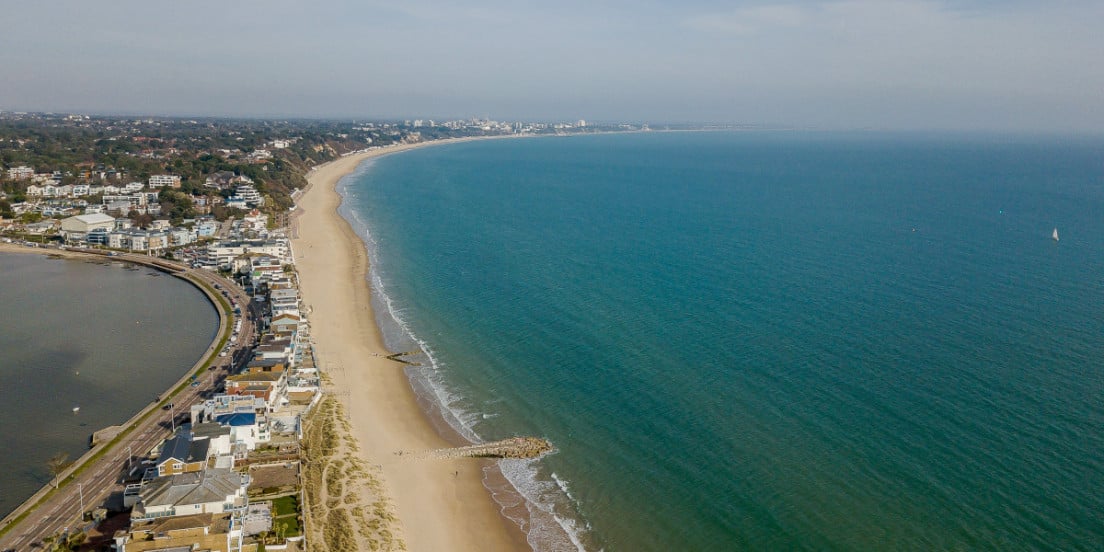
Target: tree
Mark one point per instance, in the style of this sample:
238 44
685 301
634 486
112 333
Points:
57 464
144 220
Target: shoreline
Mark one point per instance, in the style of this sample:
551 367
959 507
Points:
441 504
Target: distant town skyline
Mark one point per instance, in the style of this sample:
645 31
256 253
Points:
896 64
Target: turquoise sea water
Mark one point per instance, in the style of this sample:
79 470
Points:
763 340
107 337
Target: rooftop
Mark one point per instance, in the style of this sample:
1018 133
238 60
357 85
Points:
184 449
204 487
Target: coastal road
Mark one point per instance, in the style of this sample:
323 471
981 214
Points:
103 476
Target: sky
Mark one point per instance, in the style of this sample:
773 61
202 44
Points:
889 64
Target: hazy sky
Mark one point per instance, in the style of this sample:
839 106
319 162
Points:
1016 64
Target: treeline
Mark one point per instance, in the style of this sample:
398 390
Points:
120 150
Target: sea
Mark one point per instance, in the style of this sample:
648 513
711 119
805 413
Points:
104 337
761 340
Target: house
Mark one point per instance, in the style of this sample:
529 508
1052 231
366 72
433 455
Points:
258 365
274 348
218 436
246 428
260 154
222 404
268 386
182 236
284 322
201 204
213 491
262 275
182 454
187 533
255 221
284 305
207 228
40 227
219 180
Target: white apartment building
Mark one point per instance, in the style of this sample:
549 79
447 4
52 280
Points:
136 239
247 194
159 180
20 172
223 254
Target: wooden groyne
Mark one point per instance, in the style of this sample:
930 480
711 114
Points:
397 357
515 447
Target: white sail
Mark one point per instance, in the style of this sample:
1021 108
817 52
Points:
1055 234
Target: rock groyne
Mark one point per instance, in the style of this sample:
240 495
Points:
514 447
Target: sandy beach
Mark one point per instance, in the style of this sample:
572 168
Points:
440 504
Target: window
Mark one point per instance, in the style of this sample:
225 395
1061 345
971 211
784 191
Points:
178 466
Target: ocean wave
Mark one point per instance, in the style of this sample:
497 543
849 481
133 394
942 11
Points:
550 508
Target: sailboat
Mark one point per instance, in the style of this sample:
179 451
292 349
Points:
1055 234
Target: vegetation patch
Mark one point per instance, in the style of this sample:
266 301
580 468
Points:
345 505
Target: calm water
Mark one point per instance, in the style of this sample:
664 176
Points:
105 337
764 340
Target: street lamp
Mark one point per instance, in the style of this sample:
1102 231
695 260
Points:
80 489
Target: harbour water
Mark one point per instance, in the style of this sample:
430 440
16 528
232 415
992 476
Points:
762 341
106 337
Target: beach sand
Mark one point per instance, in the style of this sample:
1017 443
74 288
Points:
440 504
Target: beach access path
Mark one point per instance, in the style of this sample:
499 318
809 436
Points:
441 504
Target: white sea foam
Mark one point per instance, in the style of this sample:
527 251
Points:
552 527
552 523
